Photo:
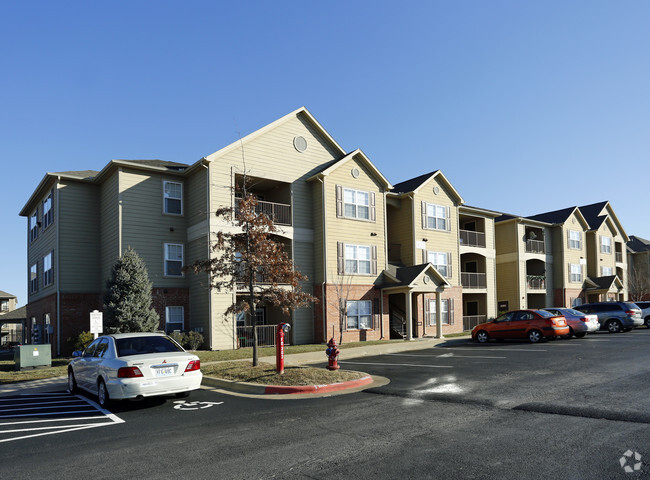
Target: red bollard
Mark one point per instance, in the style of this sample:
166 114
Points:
332 353
282 329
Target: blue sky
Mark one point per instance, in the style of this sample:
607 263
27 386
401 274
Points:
526 107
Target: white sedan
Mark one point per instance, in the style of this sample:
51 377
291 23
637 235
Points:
134 366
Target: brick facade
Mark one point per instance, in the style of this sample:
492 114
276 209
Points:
171 297
421 327
562 296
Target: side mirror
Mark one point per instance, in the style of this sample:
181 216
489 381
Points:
77 353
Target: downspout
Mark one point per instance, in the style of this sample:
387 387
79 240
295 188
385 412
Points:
322 181
207 210
519 306
381 292
58 271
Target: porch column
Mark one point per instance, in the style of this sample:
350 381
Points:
438 316
409 315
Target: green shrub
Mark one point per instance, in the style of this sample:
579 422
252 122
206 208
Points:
193 340
81 341
178 337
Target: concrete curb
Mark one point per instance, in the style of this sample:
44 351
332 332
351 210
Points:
257 389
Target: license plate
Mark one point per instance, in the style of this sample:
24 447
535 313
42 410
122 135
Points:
164 372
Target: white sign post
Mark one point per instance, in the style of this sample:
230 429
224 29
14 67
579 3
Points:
96 322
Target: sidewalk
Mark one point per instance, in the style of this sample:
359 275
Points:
310 358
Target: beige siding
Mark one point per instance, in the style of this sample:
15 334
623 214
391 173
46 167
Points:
195 199
79 252
144 225
354 231
508 284
41 246
223 326
109 228
319 213
199 288
400 230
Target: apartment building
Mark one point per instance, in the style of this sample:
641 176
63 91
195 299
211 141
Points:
560 258
638 260
411 256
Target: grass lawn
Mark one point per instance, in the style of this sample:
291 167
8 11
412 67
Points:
265 374
9 375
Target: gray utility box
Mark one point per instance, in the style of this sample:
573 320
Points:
33 356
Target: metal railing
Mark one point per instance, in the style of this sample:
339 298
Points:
619 257
279 213
265 336
535 246
473 280
470 321
536 282
472 239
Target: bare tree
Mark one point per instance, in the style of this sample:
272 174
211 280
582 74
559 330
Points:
638 282
254 261
339 300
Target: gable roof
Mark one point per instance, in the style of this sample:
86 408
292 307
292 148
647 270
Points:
559 217
638 244
605 283
406 276
595 216
415 184
6 295
17 314
329 167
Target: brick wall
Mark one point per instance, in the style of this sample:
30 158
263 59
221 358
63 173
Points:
562 296
171 297
421 328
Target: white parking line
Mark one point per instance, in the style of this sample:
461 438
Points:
496 349
444 355
397 364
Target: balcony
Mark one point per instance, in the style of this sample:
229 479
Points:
473 280
472 239
619 257
278 213
536 282
535 246
470 321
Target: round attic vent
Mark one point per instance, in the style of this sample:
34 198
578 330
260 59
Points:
355 172
300 144
436 190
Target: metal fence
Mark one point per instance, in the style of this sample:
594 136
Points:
536 282
473 280
280 213
470 321
535 246
265 336
472 239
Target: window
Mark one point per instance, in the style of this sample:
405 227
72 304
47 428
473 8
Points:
33 278
174 318
359 314
352 203
4 305
435 217
575 239
357 259
173 260
575 273
47 211
605 245
606 271
441 261
33 226
445 317
48 276
173 198
576 302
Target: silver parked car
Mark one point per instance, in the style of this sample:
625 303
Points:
614 316
580 323
133 366
645 312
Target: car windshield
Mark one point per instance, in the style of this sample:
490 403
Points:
573 312
546 314
144 345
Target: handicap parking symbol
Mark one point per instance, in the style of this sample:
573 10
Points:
183 405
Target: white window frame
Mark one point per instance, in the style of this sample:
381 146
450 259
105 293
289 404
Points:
33 226
605 244
4 305
353 261
355 204
443 268
575 243
357 319
174 311
33 278
48 271
433 218
575 277
47 210
444 314
606 271
169 260
168 195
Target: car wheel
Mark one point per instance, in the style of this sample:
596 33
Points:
647 321
482 336
72 382
613 326
102 394
535 336
570 334
580 335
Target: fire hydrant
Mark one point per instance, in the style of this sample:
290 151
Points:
332 353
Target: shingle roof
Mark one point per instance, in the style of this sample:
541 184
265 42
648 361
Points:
604 283
159 163
6 295
556 216
410 185
591 214
17 314
638 244
83 174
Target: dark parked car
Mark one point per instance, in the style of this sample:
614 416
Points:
614 316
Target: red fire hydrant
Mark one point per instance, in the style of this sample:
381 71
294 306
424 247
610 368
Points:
332 353
280 332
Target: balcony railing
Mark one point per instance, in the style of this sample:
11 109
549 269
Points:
472 239
536 282
470 321
535 246
265 336
619 257
473 280
279 213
